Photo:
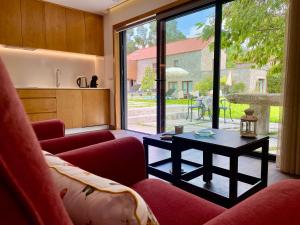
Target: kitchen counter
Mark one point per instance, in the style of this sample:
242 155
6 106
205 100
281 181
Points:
77 107
62 88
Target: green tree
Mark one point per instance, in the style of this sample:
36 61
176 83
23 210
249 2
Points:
204 85
237 87
274 82
145 35
148 80
131 46
173 33
252 32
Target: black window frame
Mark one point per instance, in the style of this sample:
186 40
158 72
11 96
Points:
161 19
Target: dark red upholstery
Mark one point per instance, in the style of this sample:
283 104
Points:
121 160
172 206
31 196
49 129
278 204
76 141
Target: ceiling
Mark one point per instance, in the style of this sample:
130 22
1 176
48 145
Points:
93 6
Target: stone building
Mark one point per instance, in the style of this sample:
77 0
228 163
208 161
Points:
187 62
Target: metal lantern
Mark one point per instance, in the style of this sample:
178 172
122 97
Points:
248 124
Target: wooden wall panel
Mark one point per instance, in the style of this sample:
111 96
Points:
10 22
33 23
75 31
55 19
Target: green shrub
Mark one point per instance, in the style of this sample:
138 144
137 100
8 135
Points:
274 82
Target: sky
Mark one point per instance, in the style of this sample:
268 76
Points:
186 24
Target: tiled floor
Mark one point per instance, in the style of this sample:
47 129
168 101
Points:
247 165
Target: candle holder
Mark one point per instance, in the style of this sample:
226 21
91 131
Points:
248 124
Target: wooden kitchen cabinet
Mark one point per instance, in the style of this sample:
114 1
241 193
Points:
10 22
33 24
93 34
95 107
39 24
55 21
76 107
39 104
69 107
75 31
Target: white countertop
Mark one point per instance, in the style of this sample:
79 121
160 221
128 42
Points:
61 88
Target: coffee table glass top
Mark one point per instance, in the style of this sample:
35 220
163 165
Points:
230 139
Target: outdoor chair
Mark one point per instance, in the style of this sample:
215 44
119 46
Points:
194 103
170 93
225 105
207 107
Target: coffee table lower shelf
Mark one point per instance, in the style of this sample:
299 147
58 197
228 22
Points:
215 191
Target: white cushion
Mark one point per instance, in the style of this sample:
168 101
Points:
93 200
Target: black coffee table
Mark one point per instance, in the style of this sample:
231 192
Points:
226 143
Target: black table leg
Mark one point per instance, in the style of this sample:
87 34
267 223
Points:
176 165
207 166
146 147
233 179
264 163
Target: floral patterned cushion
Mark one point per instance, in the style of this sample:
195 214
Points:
93 200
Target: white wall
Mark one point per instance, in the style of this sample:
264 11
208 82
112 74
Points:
119 14
37 68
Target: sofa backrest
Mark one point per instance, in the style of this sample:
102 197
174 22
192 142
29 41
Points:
27 192
278 204
49 129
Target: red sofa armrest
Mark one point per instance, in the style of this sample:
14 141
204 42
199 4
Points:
121 160
277 204
75 141
49 129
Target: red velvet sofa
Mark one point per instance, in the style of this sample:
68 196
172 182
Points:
123 160
29 197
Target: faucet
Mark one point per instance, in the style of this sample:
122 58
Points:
57 73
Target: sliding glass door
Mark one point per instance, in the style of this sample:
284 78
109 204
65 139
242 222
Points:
213 60
139 86
189 70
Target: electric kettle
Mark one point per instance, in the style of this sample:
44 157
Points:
82 82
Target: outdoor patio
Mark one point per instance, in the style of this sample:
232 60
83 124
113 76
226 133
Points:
142 118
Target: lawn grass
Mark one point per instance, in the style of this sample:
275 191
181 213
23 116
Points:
237 110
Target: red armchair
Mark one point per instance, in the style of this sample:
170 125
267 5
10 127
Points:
51 134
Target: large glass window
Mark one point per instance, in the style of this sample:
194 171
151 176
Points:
189 62
252 58
248 68
141 76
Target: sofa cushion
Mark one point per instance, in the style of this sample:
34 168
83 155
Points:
277 204
90 199
174 206
31 189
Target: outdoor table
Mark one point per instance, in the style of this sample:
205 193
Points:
261 104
